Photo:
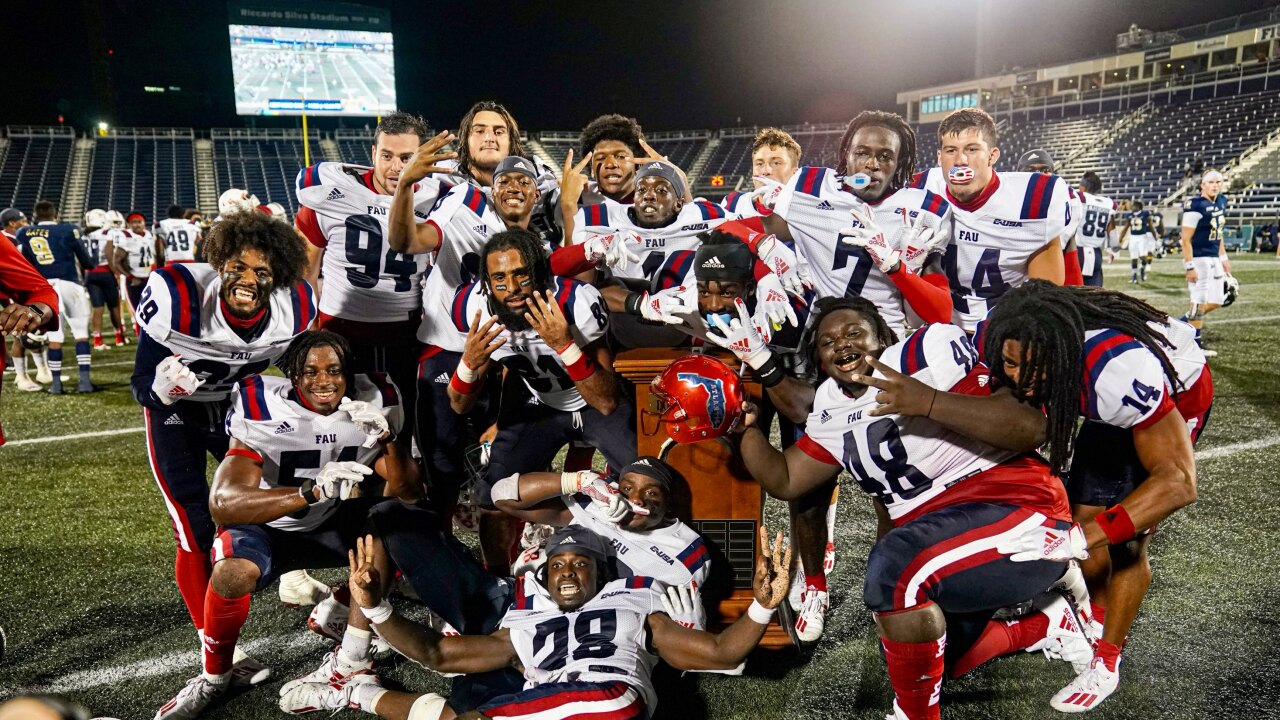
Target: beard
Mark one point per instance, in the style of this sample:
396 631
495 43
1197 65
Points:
514 320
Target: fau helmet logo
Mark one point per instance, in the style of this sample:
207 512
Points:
715 395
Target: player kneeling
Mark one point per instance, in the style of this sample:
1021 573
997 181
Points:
587 645
284 496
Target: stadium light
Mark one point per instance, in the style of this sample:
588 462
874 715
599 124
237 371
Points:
102 128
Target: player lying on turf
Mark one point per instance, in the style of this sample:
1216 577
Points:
283 497
951 487
635 517
1141 383
586 643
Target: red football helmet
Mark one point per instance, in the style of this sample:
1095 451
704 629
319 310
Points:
697 398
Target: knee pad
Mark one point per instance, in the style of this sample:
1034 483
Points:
428 707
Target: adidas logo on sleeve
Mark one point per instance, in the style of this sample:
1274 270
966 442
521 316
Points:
335 194
285 428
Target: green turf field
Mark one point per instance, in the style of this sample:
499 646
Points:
88 601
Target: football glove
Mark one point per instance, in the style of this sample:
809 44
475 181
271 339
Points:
774 308
529 561
368 419
174 381
867 235
597 488
338 478
741 336
765 197
683 604
1046 543
665 306
611 249
782 261
919 240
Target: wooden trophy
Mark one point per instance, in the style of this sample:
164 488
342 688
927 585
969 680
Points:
724 504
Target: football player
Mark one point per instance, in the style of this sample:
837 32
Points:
134 257
620 628
101 236
636 518
1007 227
1097 226
1141 242
372 294
58 252
950 485
775 156
11 220
610 144
205 328
1041 161
31 303
1204 254
1144 390
283 497
549 331
177 238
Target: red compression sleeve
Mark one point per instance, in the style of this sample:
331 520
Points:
930 298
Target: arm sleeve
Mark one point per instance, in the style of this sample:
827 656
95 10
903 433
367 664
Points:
307 222
570 260
1071 260
1191 219
931 299
21 281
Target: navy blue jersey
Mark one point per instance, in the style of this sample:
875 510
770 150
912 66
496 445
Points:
1140 223
1205 217
54 249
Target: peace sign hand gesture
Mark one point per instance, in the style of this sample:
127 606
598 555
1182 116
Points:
898 394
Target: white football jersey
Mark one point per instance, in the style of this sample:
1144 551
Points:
738 203
816 206
665 253
993 242
673 554
179 309
525 354
1096 216
466 218
1075 214
1185 354
295 443
97 240
180 238
364 280
141 249
1124 383
903 461
605 640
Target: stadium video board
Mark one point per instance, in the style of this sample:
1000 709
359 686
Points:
326 59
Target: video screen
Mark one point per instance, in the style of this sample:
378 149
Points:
292 71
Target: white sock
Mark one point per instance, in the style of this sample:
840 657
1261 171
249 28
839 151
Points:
367 696
355 646
222 679
20 365
41 360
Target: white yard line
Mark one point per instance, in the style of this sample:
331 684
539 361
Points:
73 436
1213 320
1232 449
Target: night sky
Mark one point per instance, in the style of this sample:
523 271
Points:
556 65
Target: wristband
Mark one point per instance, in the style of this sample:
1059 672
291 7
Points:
770 372
568 483
380 614
462 387
1223 257
40 313
307 491
631 305
1188 265
1116 524
465 373
759 613
577 364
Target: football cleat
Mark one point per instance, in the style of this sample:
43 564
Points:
332 671
98 345
43 375
191 700
26 384
121 338
305 697
897 713
298 589
1089 688
812 614
246 671
1065 638
328 619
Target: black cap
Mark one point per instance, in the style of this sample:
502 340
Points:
11 215
515 163
652 467
1036 157
724 262
666 171
575 538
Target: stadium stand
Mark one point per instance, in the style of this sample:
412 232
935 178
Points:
143 169
732 158
265 162
353 145
35 166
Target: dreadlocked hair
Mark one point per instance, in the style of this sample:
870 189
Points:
827 305
282 245
1049 322
294 359
892 122
464 133
530 246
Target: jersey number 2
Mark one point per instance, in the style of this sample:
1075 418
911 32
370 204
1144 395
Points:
593 633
